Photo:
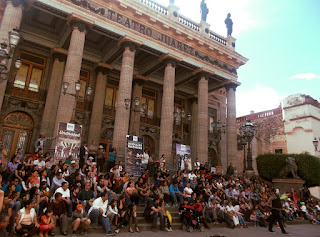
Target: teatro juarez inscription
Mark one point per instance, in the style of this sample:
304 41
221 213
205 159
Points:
147 31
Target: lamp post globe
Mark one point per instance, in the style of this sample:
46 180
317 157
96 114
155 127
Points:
14 38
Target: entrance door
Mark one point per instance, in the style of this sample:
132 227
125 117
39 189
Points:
16 132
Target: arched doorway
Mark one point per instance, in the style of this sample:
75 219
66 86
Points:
16 132
106 139
148 144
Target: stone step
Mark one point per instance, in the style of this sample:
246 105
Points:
176 225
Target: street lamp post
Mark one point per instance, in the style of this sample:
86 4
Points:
5 54
217 129
247 132
315 143
65 86
180 119
135 108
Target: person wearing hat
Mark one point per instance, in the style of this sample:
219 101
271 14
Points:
73 167
80 219
100 159
90 161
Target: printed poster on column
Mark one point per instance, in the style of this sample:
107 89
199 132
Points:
134 155
183 157
68 141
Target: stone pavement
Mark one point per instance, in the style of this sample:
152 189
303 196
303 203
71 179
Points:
300 230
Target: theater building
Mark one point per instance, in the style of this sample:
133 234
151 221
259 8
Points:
143 61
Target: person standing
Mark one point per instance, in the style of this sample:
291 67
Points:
93 149
111 159
83 153
196 164
275 203
41 141
145 159
100 159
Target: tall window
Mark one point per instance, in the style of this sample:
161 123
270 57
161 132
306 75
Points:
30 74
212 114
149 98
111 93
178 106
84 80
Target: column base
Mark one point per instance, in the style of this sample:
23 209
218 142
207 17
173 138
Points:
249 173
219 169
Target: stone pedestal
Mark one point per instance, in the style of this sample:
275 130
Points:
285 185
204 28
173 12
231 43
249 173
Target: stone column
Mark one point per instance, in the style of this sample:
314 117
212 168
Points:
166 125
98 104
54 91
194 126
135 114
202 132
121 124
72 72
231 126
12 17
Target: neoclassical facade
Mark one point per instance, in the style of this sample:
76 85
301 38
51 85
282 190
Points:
123 50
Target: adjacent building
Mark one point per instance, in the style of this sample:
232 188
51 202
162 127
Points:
290 128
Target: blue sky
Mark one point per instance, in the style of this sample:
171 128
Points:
281 39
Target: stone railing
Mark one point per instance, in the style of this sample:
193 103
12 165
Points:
155 6
110 111
151 121
183 20
15 91
190 24
218 38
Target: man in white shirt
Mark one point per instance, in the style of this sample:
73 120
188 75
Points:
65 197
196 164
188 191
40 163
145 159
98 213
192 175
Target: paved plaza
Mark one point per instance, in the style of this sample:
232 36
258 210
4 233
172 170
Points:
305 230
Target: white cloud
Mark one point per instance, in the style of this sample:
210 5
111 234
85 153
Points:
305 76
259 99
218 10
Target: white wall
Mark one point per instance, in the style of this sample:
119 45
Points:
302 124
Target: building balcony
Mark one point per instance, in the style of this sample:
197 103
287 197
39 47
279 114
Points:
110 111
39 95
150 120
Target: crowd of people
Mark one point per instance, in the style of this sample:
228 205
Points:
40 195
